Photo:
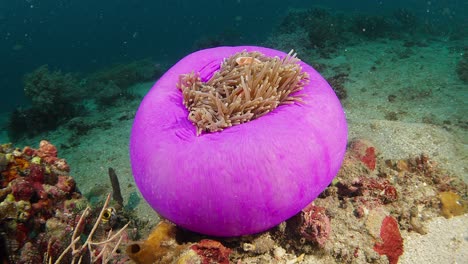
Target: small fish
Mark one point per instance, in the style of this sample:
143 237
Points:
246 60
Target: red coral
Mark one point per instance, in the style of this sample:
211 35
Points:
315 225
66 184
392 242
61 165
36 173
28 151
22 189
212 251
21 234
47 152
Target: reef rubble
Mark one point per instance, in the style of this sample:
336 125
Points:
362 217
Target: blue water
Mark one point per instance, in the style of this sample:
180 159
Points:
82 36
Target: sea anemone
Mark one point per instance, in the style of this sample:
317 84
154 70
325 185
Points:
234 140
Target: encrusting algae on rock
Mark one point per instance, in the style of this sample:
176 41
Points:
452 204
41 207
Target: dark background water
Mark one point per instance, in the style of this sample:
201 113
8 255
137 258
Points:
85 35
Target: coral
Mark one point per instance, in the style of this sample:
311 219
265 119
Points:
48 89
39 206
372 234
53 98
452 204
260 245
22 189
102 251
392 242
161 246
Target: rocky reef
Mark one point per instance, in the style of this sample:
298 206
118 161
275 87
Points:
43 216
58 97
362 217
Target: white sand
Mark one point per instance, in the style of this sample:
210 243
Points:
446 242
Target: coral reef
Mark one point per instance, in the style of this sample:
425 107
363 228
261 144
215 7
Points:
53 95
51 90
372 201
98 251
40 208
57 97
328 31
110 86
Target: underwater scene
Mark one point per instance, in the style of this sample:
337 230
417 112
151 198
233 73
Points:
234 131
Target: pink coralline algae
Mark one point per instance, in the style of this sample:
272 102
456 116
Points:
315 225
392 242
212 251
48 153
365 152
248 177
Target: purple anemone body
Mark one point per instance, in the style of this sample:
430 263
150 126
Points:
246 178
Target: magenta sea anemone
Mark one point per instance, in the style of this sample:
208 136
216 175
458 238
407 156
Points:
234 140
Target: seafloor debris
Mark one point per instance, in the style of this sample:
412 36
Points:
42 214
362 217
